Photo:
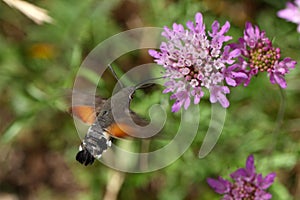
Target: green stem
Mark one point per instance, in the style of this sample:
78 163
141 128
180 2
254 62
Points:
279 119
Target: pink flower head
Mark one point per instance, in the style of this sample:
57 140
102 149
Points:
247 184
258 55
291 13
194 59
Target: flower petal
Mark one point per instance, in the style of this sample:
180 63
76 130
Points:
268 180
250 165
220 186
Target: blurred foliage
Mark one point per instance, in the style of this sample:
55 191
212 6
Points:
38 65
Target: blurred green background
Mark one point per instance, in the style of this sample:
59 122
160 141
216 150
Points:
38 140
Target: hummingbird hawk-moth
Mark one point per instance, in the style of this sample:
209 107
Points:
103 126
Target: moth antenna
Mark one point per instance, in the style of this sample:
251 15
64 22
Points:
144 83
115 75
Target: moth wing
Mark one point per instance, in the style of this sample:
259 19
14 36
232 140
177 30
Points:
87 113
123 129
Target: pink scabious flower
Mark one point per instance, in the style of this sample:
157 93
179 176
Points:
247 184
291 13
258 55
194 59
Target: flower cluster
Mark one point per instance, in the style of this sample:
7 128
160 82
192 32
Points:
259 55
247 184
291 13
194 60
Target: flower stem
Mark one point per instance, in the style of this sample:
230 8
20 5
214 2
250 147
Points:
279 119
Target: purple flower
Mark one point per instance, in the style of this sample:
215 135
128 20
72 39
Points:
291 13
247 184
194 59
259 55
